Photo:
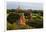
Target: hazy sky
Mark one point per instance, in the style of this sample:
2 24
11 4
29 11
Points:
25 5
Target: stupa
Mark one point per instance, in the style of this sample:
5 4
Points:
21 21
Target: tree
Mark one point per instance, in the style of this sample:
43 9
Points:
12 17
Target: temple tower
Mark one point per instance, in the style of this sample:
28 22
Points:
21 21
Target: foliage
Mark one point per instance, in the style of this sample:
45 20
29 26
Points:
12 17
11 26
36 22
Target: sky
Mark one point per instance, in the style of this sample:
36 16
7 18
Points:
25 5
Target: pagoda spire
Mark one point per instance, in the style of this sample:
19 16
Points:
18 8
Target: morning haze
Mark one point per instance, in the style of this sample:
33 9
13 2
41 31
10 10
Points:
25 5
